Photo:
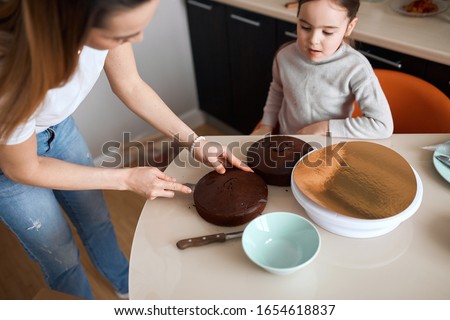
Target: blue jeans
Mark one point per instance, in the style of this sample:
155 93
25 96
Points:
34 215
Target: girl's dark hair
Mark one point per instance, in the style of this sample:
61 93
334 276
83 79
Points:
39 44
352 6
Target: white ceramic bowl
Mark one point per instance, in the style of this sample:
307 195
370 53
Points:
354 227
281 242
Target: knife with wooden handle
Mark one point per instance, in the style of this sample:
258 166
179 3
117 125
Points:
200 241
444 159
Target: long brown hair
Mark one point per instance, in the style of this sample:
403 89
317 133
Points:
39 44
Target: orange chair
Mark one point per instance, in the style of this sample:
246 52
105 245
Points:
416 105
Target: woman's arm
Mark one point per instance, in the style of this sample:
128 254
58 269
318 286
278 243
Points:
21 163
126 83
138 96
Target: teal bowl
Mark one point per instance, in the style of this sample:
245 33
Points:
281 242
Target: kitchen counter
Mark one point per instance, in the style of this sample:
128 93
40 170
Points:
427 38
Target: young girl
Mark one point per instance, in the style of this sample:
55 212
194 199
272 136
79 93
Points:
51 54
317 79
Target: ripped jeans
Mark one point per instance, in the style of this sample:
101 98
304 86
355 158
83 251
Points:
34 215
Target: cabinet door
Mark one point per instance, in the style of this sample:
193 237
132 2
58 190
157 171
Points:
439 75
435 73
252 47
286 32
381 58
207 26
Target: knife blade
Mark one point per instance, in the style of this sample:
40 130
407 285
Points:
444 159
200 241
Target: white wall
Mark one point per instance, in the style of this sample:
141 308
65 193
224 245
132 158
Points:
165 62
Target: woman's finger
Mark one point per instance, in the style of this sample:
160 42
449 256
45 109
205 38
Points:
161 194
176 187
239 164
217 163
167 190
161 175
228 158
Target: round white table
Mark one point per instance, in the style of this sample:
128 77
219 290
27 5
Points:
410 262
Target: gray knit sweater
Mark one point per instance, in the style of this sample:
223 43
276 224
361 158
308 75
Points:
303 92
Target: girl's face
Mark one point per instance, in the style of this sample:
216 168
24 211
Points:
321 28
122 26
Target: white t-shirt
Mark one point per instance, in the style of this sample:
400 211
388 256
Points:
60 103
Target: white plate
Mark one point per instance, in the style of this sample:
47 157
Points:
443 170
354 227
397 5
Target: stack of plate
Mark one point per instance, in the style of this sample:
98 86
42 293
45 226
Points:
357 189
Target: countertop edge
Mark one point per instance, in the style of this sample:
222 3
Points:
278 11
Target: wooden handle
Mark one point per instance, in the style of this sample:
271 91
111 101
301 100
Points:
200 241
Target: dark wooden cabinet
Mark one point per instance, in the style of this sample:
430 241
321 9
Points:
286 32
252 41
233 51
439 75
209 42
387 59
435 73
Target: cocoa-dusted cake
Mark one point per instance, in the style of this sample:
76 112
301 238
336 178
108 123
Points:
230 199
274 157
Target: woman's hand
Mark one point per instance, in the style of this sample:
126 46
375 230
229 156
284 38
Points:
217 156
151 183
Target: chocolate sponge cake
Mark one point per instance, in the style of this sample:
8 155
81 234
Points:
230 199
274 157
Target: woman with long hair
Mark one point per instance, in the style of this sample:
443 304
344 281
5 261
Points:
51 54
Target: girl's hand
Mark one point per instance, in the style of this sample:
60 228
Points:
321 127
262 130
217 156
151 183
